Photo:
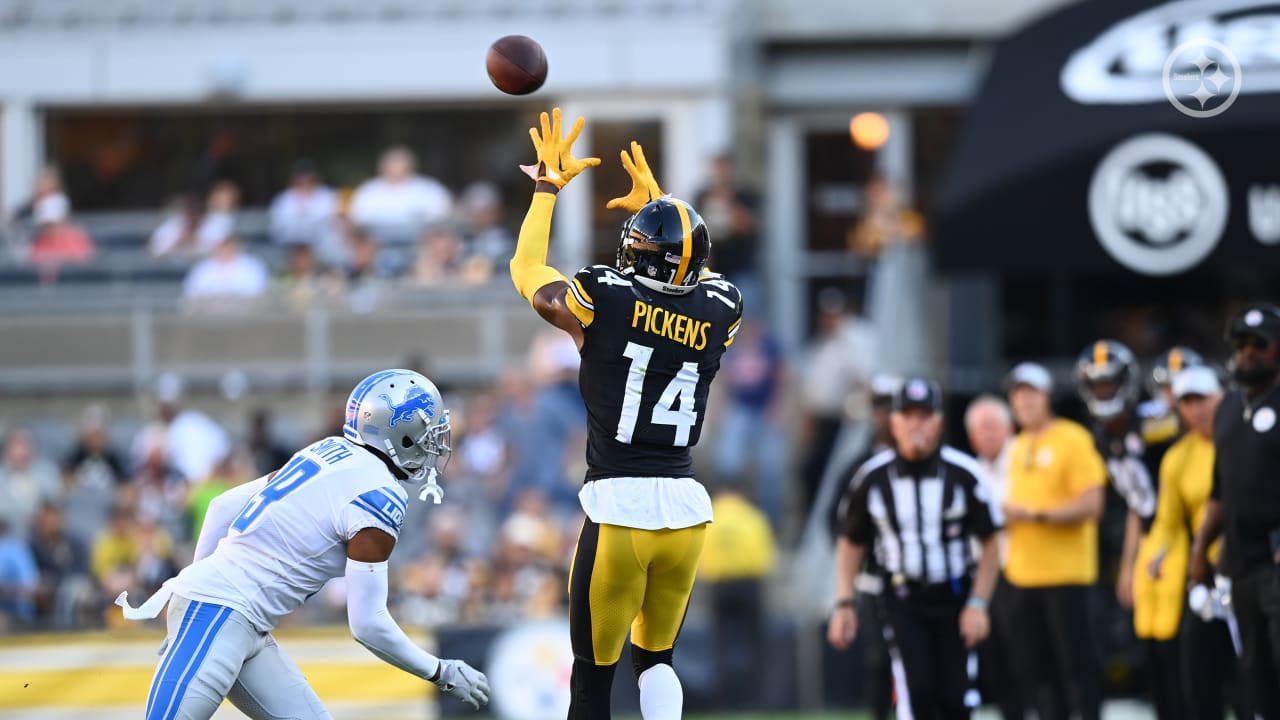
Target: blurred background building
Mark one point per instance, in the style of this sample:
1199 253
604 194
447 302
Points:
219 214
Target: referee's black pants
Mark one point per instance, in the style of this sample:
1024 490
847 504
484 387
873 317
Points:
1056 657
934 672
1255 597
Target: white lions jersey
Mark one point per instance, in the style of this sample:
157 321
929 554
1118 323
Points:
291 537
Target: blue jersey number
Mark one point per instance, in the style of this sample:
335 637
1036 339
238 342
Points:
290 477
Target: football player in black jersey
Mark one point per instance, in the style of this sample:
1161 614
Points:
1107 377
651 331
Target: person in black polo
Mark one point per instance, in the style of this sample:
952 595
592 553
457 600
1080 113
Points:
1244 504
918 506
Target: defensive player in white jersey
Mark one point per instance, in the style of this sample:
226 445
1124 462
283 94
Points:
334 509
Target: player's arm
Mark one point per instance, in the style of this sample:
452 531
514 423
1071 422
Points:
1199 571
372 625
851 551
1128 558
222 512
543 286
1088 505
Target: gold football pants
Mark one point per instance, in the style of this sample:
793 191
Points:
627 579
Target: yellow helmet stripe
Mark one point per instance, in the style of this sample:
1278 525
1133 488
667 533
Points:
686 233
1099 354
1175 361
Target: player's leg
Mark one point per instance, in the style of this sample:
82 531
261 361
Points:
955 665
1256 666
673 564
877 677
271 687
1071 623
1031 654
606 588
205 648
1157 611
1202 668
911 654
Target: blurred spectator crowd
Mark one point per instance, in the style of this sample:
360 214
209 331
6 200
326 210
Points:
334 246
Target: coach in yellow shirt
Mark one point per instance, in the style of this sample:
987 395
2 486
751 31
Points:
1056 480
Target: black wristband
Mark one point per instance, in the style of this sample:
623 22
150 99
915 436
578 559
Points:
846 603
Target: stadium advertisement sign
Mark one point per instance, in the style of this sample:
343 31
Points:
1119 135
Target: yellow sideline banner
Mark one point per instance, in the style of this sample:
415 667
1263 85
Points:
113 670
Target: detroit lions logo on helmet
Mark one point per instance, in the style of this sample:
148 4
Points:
415 399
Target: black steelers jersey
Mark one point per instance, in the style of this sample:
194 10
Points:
1133 464
648 359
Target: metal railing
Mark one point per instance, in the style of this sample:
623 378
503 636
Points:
465 336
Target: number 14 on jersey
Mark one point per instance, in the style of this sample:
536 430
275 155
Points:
682 389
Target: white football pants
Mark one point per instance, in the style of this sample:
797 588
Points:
213 652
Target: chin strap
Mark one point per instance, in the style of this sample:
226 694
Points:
431 489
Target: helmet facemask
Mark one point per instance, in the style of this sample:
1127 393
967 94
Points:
400 415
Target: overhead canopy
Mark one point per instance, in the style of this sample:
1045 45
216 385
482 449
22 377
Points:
1088 148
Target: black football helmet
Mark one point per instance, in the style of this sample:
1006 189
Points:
666 245
1170 363
1107 361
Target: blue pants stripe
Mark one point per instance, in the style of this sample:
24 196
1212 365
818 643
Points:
205 644
199 628
178 642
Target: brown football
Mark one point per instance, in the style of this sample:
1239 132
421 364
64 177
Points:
516 65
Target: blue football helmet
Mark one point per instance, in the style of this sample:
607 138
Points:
401 415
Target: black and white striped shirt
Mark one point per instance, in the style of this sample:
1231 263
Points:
920 516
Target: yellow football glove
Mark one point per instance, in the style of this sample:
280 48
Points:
644 187
559 166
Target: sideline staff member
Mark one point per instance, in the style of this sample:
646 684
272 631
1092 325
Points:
1244 503
920 504
1186 474
1056 479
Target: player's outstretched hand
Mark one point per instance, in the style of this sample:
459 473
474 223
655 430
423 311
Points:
555 150
644 186
463 682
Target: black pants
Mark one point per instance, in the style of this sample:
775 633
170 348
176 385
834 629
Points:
739 642
1254 597
998 682
1055 653
923 633
877 682
1164 678
1209 670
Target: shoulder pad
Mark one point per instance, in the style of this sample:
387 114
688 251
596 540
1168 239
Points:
716 287
601 276
1153 408
1156 430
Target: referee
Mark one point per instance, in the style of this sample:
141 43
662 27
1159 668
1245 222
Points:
918 506
1244 503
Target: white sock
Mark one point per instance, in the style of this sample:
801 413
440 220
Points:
661 697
